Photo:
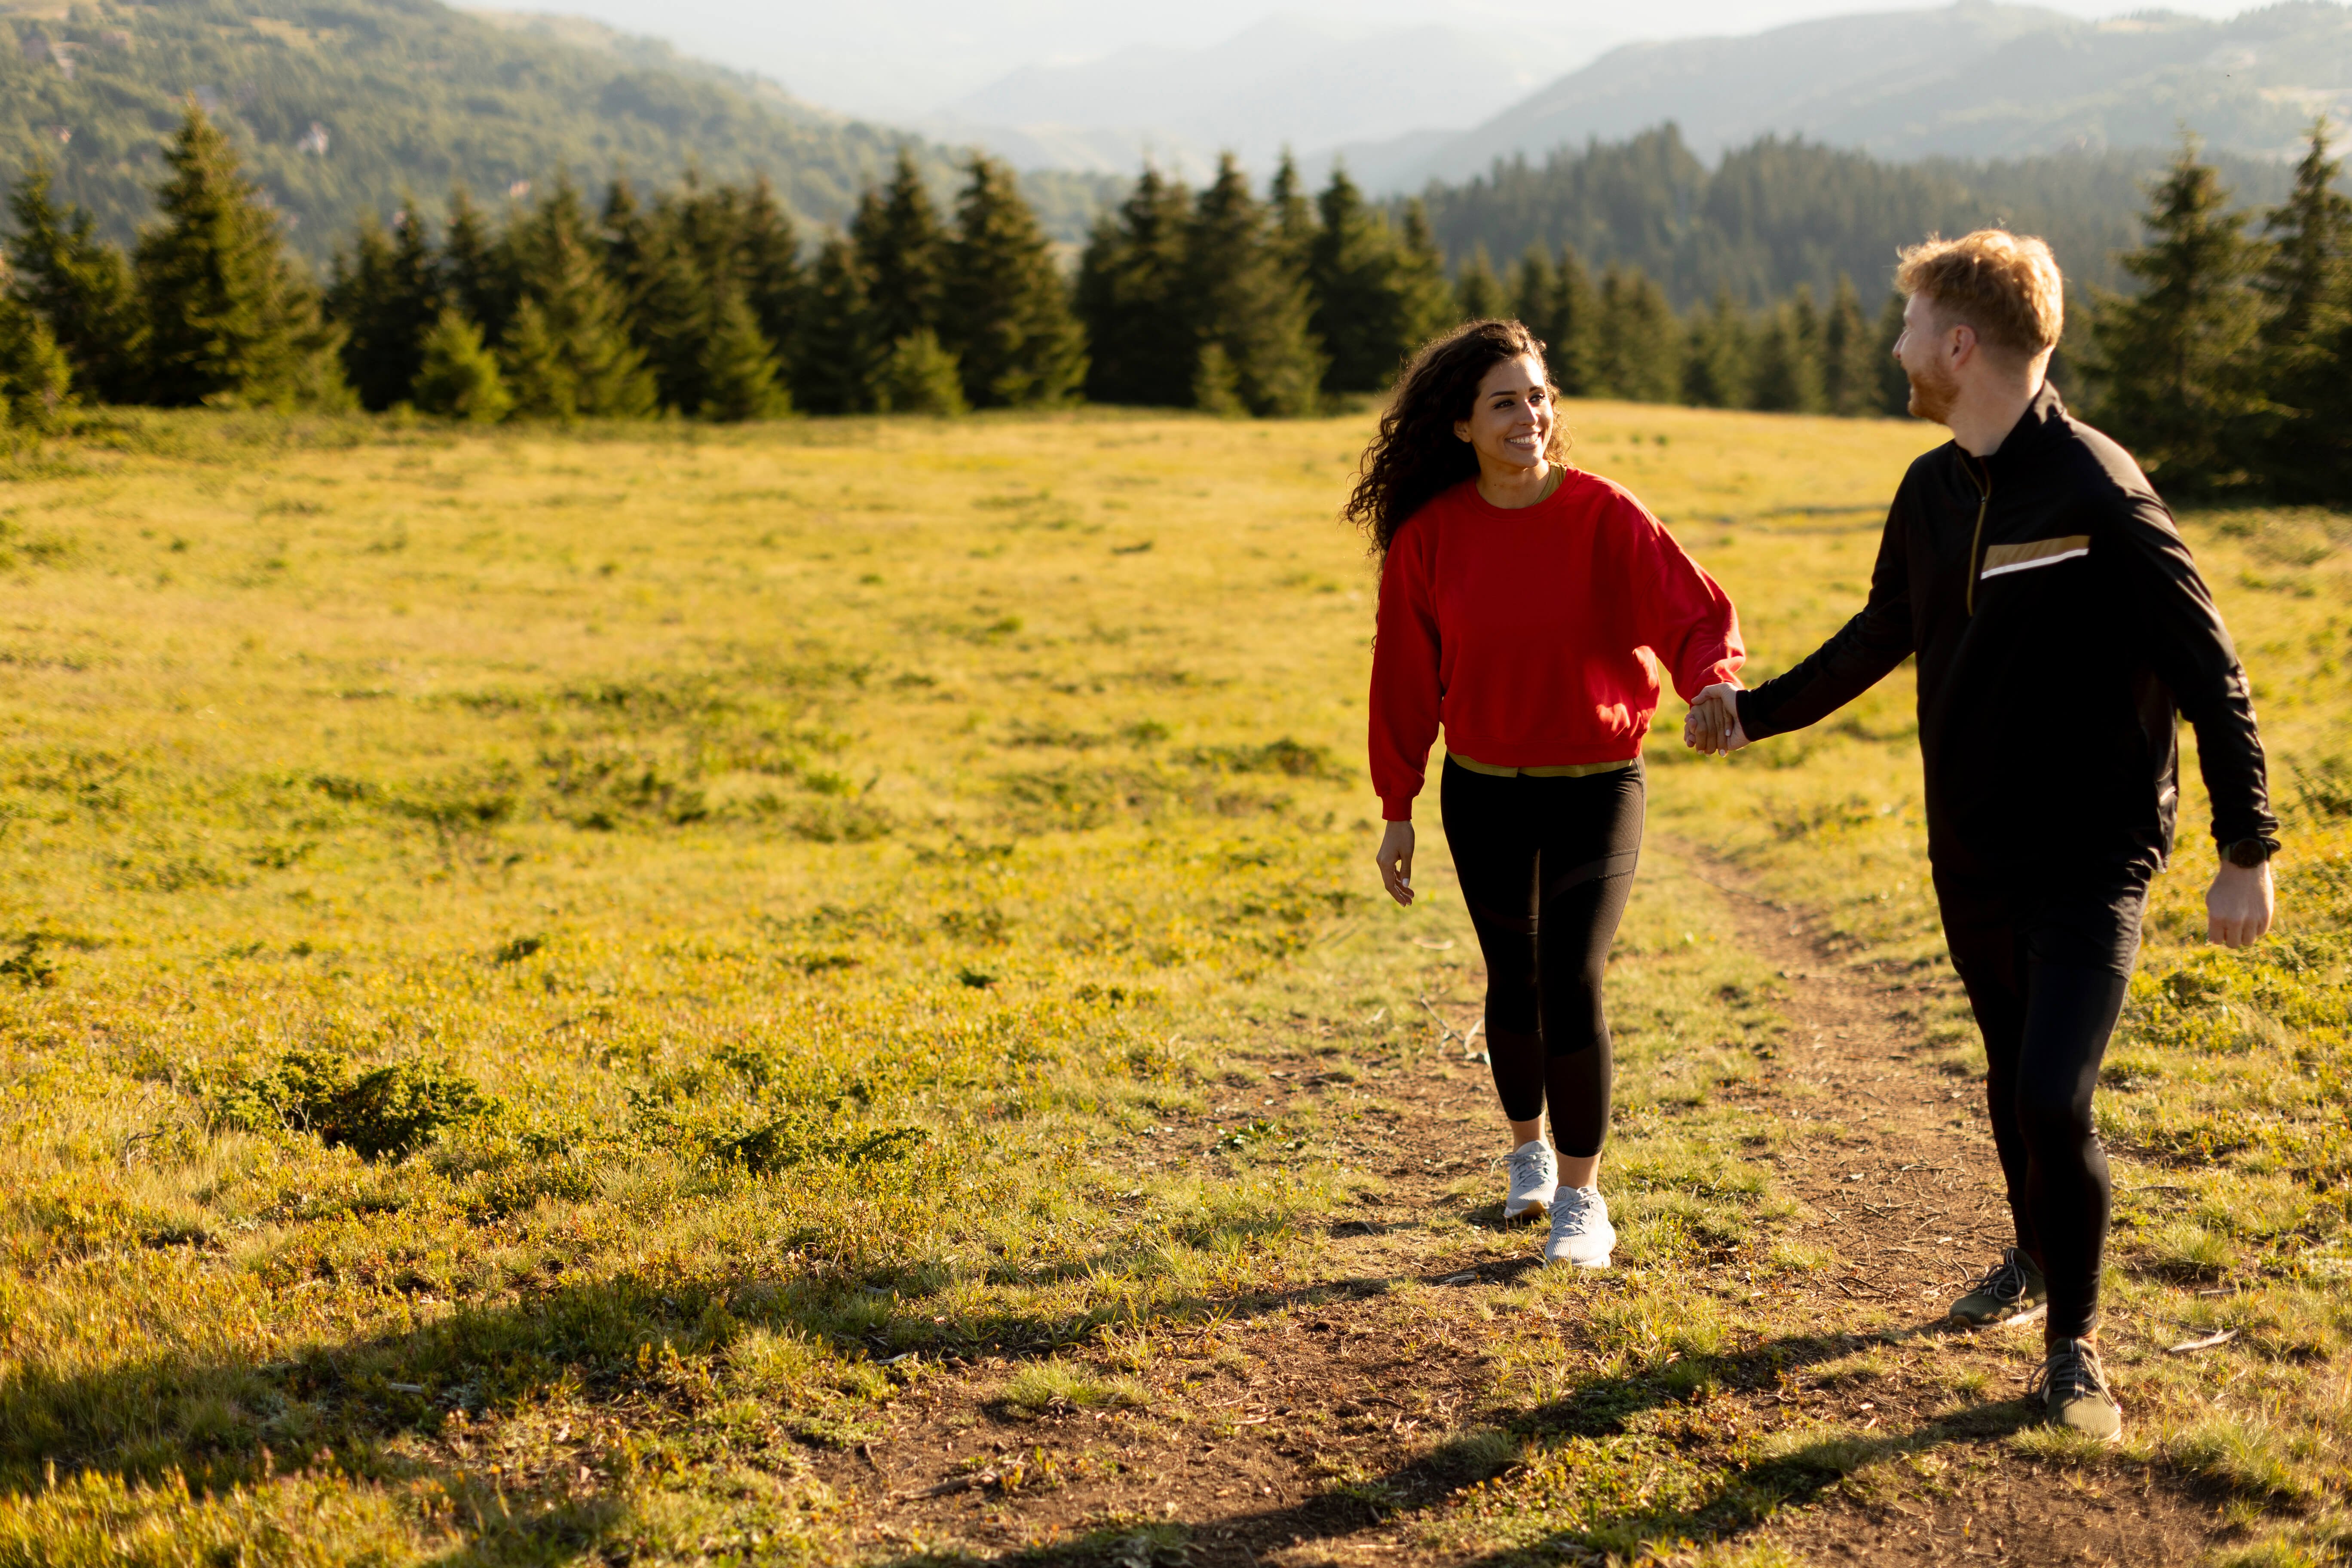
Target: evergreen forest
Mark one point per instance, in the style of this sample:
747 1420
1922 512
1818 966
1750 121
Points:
2222 365
1780 213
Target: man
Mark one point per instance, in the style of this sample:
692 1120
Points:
2058 622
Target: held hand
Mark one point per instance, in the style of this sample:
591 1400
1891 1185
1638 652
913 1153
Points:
2239 905
1395 857
1712 728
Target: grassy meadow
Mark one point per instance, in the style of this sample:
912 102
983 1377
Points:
548 980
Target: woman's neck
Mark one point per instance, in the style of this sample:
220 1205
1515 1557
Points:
1514 487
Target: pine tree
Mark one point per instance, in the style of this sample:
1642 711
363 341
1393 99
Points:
1142 348
1358 279
36 378
228 319
834 362
708 221
1894 383
1216 386
458 378
903 251
1534 293
1719 370
1805 330
477 273
1849 375
671 306
2304 274
1246 307
1293 213
1005 311
920 376
1788 363
81 288
2176 365
1425 302
1350 275
1575 334
767 260
2306 443
1477 292
567 353
624 229
535 366
1637 348
739 370
386 296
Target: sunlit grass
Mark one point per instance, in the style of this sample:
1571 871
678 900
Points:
544 979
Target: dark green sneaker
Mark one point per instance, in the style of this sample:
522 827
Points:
2012 1291
2072 1388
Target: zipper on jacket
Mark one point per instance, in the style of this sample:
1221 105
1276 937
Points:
1975 542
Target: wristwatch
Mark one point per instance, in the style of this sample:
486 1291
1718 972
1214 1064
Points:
2249 853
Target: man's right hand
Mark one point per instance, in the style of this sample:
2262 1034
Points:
1712 727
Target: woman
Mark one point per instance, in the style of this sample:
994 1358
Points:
1527 607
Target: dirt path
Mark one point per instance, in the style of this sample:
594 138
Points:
1907 1193
1311 1426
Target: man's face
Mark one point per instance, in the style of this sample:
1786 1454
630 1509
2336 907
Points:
1925 351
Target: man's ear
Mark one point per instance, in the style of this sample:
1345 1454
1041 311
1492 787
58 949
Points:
1965 344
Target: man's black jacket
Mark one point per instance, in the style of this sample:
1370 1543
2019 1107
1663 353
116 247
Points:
2055 643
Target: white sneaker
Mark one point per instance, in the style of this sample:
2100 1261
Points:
1534 1173
1581 1231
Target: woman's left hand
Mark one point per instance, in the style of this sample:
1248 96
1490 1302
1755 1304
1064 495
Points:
1395 858
1712 726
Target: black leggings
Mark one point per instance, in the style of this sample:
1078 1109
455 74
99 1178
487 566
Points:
2047 974
1545 866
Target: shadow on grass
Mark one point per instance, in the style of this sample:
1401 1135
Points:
643 1359
1588 1515
660 1361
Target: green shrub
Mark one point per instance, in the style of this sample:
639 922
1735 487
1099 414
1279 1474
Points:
920 377
392 1111
460 378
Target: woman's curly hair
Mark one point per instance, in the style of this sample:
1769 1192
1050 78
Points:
1416 454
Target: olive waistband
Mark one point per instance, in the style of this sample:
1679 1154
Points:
1563 771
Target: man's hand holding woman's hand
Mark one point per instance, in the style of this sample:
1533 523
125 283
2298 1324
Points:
1396 858
1712 727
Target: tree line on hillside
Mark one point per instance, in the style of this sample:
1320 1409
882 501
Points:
1780 212
1227 303
1619 336
2229 371
696 302
2224 372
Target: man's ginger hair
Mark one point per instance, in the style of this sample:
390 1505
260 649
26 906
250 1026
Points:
2004 285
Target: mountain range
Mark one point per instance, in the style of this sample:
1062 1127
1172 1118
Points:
339 107
1402 106
1974 79
1288 82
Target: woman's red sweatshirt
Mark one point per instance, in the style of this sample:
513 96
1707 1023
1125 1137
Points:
1535 632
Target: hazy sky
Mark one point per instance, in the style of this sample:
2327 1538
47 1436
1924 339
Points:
905 57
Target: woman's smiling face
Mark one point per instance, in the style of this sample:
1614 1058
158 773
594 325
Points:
1510 422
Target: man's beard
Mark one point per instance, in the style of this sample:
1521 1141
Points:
1933 394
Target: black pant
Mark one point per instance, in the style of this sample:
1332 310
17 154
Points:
2046 970
1545 866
